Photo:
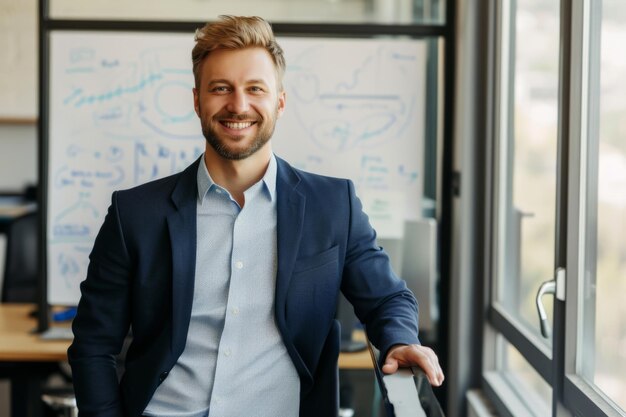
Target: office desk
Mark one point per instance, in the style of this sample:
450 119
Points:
19 344
27 359
356 360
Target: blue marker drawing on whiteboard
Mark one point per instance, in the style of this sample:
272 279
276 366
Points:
81 99
88 175
137 96
81 54
167 98
114 154
354 81
72 230
62 178
74 150
153 161
170 135
357 107
75 93
109 115
116 180
110 64
374 173
409 176
81 209
68 268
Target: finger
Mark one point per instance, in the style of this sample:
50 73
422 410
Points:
390 366
430 365
436 377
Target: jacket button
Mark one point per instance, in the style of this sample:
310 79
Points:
163 376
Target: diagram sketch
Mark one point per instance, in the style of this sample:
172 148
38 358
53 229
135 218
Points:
122 116
119 116
355 109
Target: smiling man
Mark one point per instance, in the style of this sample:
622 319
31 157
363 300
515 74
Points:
228 273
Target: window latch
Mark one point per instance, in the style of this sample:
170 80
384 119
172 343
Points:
556 287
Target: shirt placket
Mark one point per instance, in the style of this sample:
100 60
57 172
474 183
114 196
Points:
228 354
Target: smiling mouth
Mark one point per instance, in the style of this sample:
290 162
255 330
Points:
237 125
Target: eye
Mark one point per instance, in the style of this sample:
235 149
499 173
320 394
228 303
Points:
219 89
256 89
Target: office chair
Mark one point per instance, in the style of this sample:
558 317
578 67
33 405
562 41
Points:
20 286
22 261
407 393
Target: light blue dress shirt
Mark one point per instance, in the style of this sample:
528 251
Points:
235 362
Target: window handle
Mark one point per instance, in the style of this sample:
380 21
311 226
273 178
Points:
548 287
556 287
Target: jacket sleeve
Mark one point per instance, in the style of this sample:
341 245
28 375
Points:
102 321
381 300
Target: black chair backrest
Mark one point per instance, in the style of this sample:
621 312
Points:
22 261
426 400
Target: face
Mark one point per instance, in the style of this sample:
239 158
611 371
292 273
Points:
238 101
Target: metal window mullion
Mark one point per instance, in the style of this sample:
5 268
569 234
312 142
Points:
562 204
590 194
488 338
503 140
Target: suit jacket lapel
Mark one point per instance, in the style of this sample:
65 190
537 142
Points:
182 229
290 218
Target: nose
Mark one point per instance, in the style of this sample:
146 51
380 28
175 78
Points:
238 102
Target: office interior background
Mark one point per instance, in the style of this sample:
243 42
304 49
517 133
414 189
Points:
522 168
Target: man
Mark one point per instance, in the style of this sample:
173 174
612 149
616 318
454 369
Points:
228 273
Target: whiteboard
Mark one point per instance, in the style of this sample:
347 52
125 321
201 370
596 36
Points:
121 113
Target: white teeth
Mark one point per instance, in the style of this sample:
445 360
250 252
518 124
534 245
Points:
237 126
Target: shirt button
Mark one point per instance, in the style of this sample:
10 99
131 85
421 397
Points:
235 311
238 264
217 399
217 190
227 352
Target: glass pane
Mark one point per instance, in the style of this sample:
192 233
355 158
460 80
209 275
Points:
604 320
524 380
528 175
321 11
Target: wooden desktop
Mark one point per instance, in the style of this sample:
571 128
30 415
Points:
18 343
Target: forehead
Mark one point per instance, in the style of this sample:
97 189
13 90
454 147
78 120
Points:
239 65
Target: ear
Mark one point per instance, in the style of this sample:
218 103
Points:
196 101
282 98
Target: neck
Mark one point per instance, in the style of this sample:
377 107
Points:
237 176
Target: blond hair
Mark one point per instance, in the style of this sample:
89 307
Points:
237 32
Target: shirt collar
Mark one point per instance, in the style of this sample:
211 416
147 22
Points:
205 182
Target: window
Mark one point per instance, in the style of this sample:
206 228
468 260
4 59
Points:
603 360
559 187
528 157
524 200
597 262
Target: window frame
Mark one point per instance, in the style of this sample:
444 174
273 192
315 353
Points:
586 20
579 71
499 320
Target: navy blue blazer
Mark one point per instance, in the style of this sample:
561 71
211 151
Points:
141 276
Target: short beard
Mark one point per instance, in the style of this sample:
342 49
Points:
222 149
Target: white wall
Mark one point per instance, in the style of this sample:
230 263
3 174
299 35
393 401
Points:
18 156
